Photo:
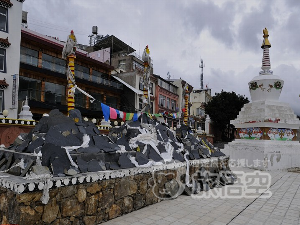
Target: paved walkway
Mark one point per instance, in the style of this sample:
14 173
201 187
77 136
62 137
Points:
283 207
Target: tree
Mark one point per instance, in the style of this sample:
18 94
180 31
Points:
222 108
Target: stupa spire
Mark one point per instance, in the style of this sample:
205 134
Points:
266 65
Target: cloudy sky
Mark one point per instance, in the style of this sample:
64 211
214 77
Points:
226 34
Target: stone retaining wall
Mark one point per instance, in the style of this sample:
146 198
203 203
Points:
89 203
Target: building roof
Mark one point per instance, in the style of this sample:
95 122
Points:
43 39
127 85
167 81
116 45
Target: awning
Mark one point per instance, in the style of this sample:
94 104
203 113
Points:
127 85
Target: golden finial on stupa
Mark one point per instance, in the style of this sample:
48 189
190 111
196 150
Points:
266 42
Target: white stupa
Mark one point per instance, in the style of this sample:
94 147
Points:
266 127
25 113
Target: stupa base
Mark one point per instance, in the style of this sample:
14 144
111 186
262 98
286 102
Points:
264 154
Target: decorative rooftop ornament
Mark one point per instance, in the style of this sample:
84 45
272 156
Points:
4 43
5 3
3 84
266 65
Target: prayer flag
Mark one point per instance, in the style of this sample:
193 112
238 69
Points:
113 113
106 111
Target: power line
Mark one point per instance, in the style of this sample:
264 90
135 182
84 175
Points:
54 28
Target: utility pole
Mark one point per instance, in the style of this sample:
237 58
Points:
201 76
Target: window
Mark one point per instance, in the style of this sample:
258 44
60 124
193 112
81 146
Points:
140 103
168 86
29 87
162 100
55 93
3 19
173 104
96 105
1 101
151 107
111 101
2 60
141 84
122 64
200 112
82 72
53 63
151 88
29 56
168 103
80 99
96 77
160 83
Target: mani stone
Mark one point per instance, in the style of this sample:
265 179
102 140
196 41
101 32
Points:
35 144
154 156
82 164
75 114
94 166
141 158
178 156
125 162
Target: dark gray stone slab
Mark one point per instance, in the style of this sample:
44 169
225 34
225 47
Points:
55 136
9 157
176 147
195 153
204 150
35 144
135 124
216 153
91 130
15 170
82 164
125 162
51 152
141 158
123 141
23 146
59 165
154 156
178 156
81 129
94 166
131 133
96 130
103 144
28 164
161 147
114 166
1 154
171 135
90 149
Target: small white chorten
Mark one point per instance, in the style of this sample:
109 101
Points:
25 114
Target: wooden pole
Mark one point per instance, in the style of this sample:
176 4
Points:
71 99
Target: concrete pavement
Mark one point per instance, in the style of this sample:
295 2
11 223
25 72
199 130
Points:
283 207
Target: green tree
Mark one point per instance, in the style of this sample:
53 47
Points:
222 108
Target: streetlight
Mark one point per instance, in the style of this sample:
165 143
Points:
5 113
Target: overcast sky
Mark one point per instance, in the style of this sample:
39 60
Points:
226 34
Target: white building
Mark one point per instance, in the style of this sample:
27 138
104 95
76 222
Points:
10 36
